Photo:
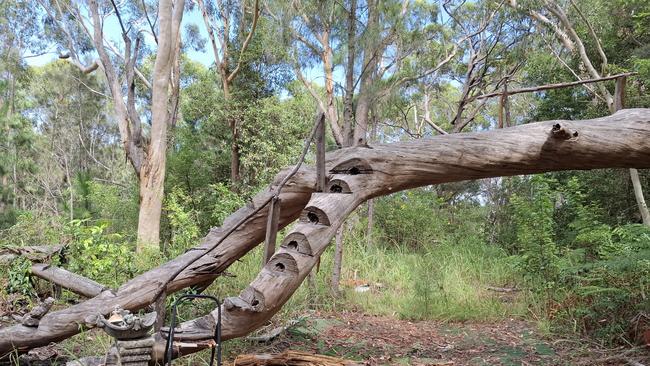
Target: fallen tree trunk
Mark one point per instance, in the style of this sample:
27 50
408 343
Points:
32 252
78 284
621 140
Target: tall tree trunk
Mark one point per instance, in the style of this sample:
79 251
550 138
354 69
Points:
338 261
331 112
152 172
152 181
638 194
235 159
371 202
348 111
371 58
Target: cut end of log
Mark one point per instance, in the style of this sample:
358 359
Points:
283 264
338 186
297 242
254 298
314 215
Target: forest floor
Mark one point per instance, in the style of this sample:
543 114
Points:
384 340
381 340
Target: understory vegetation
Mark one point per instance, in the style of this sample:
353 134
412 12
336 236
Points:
549 254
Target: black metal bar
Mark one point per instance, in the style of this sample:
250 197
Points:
217 332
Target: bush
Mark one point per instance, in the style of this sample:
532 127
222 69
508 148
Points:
105 258
594 277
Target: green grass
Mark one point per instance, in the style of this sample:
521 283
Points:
447 281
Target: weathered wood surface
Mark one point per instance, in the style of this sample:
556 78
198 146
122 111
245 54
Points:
621 140
291 358
78 284
32 252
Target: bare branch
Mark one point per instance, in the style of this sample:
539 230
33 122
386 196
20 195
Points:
256 14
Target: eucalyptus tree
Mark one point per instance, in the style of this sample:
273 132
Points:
230 26
575 32
79 30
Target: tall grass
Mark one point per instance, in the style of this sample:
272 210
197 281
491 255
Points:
446 280
443 281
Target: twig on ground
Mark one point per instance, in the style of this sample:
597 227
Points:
275 332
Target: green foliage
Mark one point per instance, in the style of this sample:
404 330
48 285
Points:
593 276
405 219
33 229
182 222
93 253
534 221
19 280
226 202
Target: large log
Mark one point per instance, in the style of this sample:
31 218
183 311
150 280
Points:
66 279
621 140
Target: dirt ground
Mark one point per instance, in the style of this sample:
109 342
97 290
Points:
377 340
381 340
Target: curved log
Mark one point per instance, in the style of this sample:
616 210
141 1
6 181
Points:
621 140
395 167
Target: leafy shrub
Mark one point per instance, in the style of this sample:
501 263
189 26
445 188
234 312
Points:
95 254
19 280
533 217
182 221
407 218
595 276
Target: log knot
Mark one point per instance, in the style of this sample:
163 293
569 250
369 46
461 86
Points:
563 133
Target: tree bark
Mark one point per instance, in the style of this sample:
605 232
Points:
338 261
348 108
621 140
638 194
152 173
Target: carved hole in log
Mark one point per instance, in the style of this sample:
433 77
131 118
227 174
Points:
353 167
253 297
338 186
284 264
314 215
297 242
